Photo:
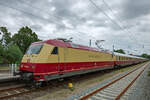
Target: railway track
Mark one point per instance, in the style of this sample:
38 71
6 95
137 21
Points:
13 92
17 91
21 90
116 89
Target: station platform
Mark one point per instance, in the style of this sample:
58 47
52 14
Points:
4 77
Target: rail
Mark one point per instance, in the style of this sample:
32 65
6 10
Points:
107 90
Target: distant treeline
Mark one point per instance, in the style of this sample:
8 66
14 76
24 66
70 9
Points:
145 55
12 47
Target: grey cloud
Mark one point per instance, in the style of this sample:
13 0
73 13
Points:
36 27
135 8
144 28
39 16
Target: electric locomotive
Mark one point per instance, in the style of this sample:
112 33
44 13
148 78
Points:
52 59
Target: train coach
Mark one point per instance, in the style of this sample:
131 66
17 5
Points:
52 59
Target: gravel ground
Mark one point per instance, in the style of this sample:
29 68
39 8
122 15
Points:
142 87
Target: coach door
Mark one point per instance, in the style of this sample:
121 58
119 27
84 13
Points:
65 58
61 59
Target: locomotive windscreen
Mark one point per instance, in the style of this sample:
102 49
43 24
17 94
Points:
34 49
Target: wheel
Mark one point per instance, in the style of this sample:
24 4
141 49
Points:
36 84
115 66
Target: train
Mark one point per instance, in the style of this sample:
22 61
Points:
56 59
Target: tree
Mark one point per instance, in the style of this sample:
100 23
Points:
120 51
14 54
24 37
9 52
144 55
4 42
6 36
1 53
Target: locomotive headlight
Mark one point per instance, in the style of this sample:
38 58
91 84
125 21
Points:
26 66
32 67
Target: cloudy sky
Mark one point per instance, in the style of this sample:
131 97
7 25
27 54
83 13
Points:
122 23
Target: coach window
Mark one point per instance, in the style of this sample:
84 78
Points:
55 50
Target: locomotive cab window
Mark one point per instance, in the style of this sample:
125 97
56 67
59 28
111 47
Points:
55 50
34 49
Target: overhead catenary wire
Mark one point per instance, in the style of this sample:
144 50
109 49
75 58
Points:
41 18
105 3
38 17
58 17
31 14
44 18
112 20
47 20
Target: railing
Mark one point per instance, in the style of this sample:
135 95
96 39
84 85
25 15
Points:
9 68
14 68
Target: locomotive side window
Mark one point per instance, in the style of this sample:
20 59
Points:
55 50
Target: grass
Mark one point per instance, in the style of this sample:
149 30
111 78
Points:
148 73
4 68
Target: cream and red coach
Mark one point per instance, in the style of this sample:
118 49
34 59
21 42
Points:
51 59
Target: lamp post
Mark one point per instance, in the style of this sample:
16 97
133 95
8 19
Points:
90 42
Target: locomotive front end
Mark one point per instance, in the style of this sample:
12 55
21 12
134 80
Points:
29 63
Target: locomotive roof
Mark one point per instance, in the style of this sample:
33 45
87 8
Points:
61 43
